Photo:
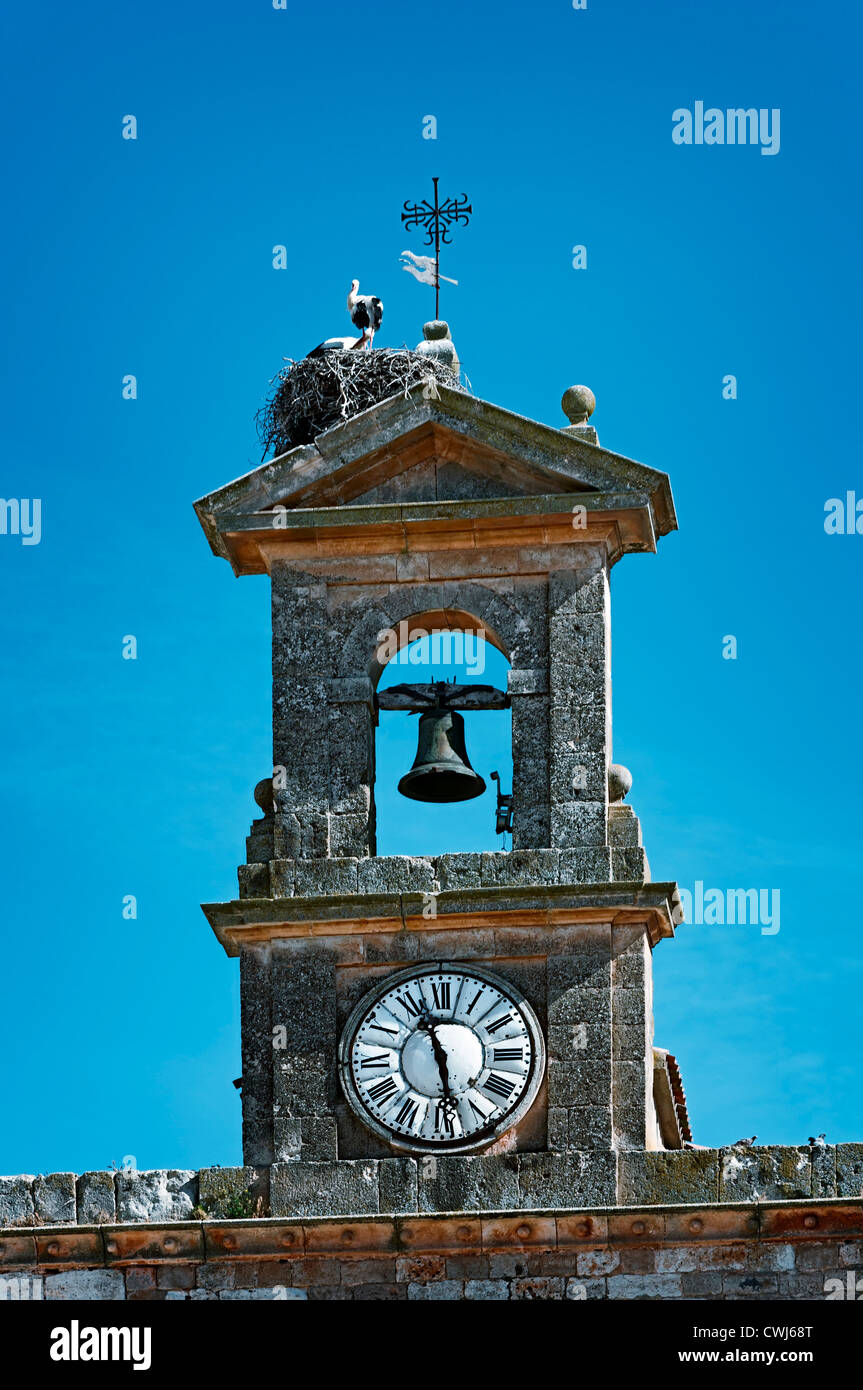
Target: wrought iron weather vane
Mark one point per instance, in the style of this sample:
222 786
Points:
436 219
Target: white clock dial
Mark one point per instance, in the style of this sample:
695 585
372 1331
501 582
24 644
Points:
441 1056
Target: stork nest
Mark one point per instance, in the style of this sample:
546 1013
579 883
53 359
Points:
316 393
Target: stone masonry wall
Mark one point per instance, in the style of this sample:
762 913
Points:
548 613
588 982
778 1251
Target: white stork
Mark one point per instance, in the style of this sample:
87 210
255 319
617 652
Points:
335 345
366 312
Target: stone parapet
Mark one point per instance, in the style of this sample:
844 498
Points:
725 1178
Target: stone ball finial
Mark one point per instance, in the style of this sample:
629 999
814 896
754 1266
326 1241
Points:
263 795
437 343
619 781
578 404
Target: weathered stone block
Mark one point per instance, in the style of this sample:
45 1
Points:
764 1173
520 866
304 1083
282 878
586 1179
96 1203
595 1264
585 865
462 1183
528 682
669 1177
319 1139
346 1188
573 1042
624 828
580 1290
397 947
397 1181
532 1290
395 874
487 1289
283 1294
348 835
54 1199
455 945
157 1194
442 1289
629 866
231 1193
287 1138
456 871
105 1285
558 1127
849 1170
575 823
824 1172
317 878
639 1286
532 826
254 880
16 1201
630 1080
589 1127
586 1082
629 1041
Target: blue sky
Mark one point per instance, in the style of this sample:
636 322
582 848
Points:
259 127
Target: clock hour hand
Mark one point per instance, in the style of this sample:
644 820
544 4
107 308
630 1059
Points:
426 1023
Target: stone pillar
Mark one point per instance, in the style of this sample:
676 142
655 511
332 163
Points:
580 704
531 826
304 1050
579 1042
351 728
256 1030
304 647
632 1038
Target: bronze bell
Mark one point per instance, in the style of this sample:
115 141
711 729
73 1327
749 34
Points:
441 770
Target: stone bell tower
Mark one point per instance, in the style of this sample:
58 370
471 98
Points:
439 510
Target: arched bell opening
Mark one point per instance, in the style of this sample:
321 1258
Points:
433 791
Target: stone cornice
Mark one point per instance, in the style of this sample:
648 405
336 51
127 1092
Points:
254 920
276 1238
621 522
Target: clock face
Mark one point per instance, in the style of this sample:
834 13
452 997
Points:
443 1056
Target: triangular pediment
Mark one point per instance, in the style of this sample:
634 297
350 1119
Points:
411 450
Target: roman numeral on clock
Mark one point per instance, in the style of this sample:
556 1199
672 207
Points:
499 1023
475 1001
382 1090
408 1112
379 1028
509 1054
380 1059
499 1086
443 1119
410 1005
440 994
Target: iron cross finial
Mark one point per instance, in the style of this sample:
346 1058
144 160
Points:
436 219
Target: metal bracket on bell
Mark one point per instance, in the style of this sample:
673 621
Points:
503 823
442 695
